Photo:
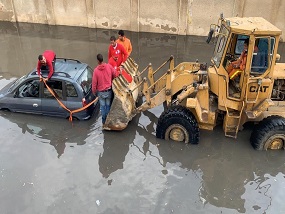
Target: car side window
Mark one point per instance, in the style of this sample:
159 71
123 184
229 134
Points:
85 80
56 87
29 89
70 90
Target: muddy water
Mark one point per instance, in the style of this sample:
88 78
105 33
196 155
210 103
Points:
49 165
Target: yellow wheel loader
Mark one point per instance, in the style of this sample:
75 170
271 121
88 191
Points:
197 95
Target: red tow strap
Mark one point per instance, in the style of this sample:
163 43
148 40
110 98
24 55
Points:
63 106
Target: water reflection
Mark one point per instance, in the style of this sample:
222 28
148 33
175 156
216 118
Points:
116 146
226 173
44 129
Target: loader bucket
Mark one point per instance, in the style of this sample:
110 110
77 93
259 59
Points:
125 97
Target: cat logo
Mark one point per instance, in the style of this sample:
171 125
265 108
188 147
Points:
254 88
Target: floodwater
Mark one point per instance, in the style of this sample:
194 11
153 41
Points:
50 165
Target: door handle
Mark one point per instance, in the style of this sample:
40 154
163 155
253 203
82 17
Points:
35 105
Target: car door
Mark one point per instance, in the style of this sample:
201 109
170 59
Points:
83 86
26 98
73 97
50 105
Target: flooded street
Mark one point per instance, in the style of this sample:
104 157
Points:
50 165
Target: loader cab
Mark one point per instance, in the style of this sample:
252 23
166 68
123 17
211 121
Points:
248 87
241 55
258 54
247 58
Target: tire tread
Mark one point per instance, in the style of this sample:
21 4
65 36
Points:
266 128
181 115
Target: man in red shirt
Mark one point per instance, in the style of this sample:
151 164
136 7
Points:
46 62
102 85
117 52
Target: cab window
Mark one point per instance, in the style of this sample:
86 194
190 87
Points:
220 46
235 49
262 55
240 44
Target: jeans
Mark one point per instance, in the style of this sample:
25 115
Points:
105 98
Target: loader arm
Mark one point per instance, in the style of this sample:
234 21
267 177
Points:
174 85
168 87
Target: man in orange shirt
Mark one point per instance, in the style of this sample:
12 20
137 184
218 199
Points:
123 40
236 67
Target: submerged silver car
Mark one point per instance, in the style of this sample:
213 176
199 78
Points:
71 83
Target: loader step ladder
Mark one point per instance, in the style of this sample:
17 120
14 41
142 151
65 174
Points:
232 121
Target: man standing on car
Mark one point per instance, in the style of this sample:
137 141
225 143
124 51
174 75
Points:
102 84
46 62
123 40
117 52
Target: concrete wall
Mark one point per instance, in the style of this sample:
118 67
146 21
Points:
183 17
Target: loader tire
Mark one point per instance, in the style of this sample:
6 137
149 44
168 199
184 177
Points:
179 124
269 134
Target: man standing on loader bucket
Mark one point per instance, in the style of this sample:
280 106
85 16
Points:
102 85
46 63
117 52
123 40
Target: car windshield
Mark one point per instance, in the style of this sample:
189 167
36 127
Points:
17 82
220 46
85 80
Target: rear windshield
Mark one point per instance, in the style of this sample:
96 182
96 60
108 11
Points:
85 80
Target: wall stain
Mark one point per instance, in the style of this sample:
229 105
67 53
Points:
167 28
65 4
37 6
275 11
5 15
106 24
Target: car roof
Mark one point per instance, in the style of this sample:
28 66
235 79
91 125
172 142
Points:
66 68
